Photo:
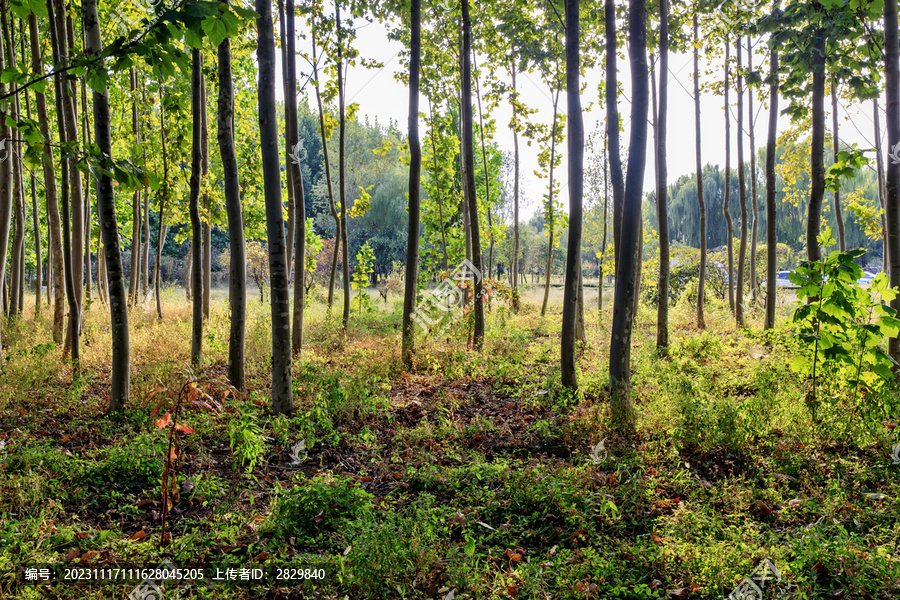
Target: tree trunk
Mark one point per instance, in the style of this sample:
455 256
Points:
207 207
188 269
164 196
5 190
879 159
569 375
469 160
288 147
296 181
817 149
106 210
331 205
838 215
53 219
892 187
726 207
605 228
135 204
437 184
755 205
612 124
701 284
342 168
282 400
771 191
415 173
86 188
662 210
237 282
515 260
487 178
742 192
623 416
194 209
551 222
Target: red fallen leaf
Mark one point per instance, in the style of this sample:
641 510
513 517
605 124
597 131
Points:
404 375
516 557
656 539
164 420
366 479
890 424
65 439
143 503
512 590
821 570
81 535
138 535
72 554
261 556
184 428
87 556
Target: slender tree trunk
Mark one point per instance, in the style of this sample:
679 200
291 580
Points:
415 174
612 124
726 206
838 215
86 191
892 187
331 205
35 216
515 260
662 210
106 209
487 177
296 182
288 147
136 203
771 191
575 140
17 282
754 280
237 282
437 184
282 400
701 284
879 159
742 191
102 280
207 207
817 150
196 227
623 416
605 228
5 190
55 266
162 230
551 222
188 269
342 167
469 160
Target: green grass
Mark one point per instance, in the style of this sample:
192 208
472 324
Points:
471 472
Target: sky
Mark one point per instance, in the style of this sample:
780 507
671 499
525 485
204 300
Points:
382 97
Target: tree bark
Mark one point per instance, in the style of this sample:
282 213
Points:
296 181
742 192
194 209
753 177
35 216
612 124
575 141
55 265
892 186
136 202
771 191
342 168
662 210
164 196
817 150
237 281
551 222
282 400
291 206
5 189
106 210
415 174
469 160
879 159
623 416
701 284
207 207
726 206
515 261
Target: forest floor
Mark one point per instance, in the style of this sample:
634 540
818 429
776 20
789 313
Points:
473 475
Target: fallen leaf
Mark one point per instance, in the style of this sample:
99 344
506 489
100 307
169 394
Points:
138 535
72 554
65 439
164 420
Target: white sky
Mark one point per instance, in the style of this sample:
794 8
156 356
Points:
381 96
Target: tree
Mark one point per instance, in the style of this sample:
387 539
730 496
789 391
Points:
106 211
5 192
612 123
726 205
569 374
296 181
282 400
817 150
892 186
662 211
701 283
771 207
469 173
196 228
415 170
626 267
237 280
742 191
835 138
342 165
